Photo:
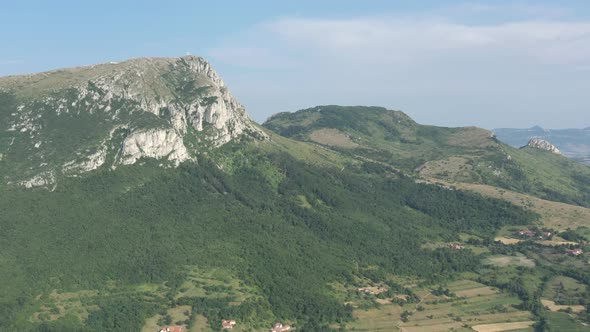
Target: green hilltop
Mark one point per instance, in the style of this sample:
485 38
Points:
467 154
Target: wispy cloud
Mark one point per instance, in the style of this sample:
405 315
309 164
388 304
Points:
529 60
392 39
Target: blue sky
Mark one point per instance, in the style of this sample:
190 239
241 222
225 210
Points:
453 63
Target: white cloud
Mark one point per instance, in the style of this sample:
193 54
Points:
390 39
419 63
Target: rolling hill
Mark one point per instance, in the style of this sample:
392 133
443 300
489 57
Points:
468 154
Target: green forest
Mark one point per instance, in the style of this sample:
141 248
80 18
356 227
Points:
280 225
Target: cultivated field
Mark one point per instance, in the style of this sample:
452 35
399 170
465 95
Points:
507 240
559 321
556 307
503 326
474 305
563 288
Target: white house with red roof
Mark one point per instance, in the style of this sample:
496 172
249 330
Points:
228 324
177 328
575 252
456 246
527 232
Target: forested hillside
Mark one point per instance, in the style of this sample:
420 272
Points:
280 225
134 204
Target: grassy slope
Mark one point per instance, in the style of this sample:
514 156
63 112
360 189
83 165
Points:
559 216
453 154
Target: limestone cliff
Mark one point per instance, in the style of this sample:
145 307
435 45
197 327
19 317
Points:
542 144
154 143
76 120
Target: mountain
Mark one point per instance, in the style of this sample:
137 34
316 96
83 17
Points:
71 121
139 194
468 154
574 143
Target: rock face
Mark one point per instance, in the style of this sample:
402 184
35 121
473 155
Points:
154 143
89 163
542 144
39 180
76 120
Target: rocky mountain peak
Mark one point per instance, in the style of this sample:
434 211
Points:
75 120
542 144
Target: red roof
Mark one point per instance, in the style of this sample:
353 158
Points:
526 232
575 251
279 327
228 324
173 328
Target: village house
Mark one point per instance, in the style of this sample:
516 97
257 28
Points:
456 246
228 324
575 252
172 329
279 327
526 232
545 235
365 290
372 290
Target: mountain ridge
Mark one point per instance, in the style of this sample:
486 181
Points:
463 154
542 144
163 108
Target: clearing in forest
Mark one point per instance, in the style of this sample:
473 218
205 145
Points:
557 307
332 137
504 260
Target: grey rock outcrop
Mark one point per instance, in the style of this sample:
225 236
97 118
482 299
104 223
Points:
542 144
154 143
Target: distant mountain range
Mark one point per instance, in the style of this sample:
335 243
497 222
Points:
573 143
